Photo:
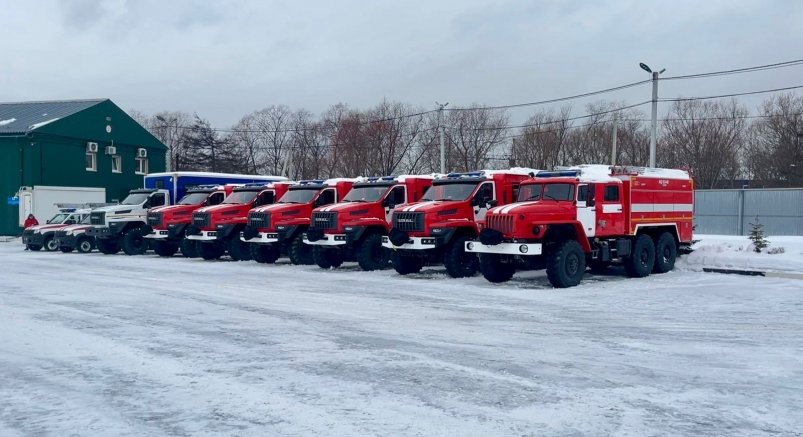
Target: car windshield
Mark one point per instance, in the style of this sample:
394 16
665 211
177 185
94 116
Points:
450 191
554 191
299 195
366 194
193 199
135 198
58 218
241 197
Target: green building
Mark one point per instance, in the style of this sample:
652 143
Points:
78 143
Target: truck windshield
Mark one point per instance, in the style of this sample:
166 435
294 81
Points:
450 191
299 196
241 197
193 199
366 194
135 198
554 191
58 218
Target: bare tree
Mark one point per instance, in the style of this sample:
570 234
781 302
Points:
774 153
473 135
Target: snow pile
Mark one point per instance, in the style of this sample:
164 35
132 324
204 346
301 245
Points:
736 252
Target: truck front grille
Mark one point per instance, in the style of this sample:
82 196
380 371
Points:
408 221
500 222
259 219
201 219
324 220
97 218
155 218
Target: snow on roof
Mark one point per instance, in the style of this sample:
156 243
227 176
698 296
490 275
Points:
41 123
525 171
211 174
334 181
9 121
652 172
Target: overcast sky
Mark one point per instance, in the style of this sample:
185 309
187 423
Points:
223 59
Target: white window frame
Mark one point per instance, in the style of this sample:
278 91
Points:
141 166
94 166
119 160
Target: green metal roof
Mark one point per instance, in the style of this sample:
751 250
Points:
23 117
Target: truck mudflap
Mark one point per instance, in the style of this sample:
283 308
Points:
328 240
203 236
520 249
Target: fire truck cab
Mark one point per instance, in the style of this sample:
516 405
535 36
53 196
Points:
590 215
354 227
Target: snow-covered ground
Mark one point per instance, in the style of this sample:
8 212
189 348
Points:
117 345
734 252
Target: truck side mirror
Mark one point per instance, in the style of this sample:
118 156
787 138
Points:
388 202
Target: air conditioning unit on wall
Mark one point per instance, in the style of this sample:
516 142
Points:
92 147
142 153
111 150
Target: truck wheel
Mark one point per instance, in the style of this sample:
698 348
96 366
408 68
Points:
50 244
666 251
209 251
65 249
34 247
134 243
300 253
165 248
189 249
84 245
107 246
370 253
642 259
326 258
238 250
494 270
406 264
459 263
265 253
566 264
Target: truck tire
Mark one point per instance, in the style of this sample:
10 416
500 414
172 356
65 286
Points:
65 249
209 251
327 258
300 253
134 243
108 246
494 270
566 264
188 248
238 250
458 262
84 245
34 247
666 251
50 244
642 259
165 248
370 253
406 264
265 253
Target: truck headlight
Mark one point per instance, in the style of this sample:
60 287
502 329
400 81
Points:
523 248
470 246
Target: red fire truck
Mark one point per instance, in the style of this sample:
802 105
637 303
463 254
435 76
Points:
353 228
436 228
216 229
279 228
166 224
590 215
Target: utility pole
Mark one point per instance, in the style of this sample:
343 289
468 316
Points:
654 136
613 140
442 133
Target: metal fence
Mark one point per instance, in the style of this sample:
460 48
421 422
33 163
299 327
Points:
731 212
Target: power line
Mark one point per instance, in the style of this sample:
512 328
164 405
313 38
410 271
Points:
721 96
792 63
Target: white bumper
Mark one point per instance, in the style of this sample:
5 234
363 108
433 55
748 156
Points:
262 238
415 243
204 236
328 240
157 234
521 249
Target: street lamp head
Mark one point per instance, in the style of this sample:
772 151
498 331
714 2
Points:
645 67
160 118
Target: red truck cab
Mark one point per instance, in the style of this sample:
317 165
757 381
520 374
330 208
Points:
166 224
590 215
353 228
216 229
449 214
277 229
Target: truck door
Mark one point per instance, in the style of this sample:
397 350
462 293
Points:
215 198
397 196
479 203
611 220
327 196
586 213
156 199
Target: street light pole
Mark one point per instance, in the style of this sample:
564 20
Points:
654 134
441 134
